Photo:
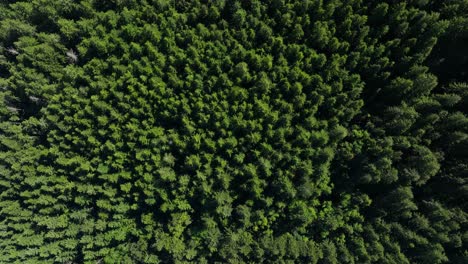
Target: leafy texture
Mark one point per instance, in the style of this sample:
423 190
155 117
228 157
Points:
233 131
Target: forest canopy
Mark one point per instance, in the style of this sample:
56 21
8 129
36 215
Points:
244 131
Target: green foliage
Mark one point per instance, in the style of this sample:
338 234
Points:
233 131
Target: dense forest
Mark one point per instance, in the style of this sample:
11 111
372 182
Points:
243 131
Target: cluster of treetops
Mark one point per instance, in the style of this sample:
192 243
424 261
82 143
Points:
244 131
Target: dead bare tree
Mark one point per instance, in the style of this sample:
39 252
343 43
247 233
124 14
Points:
12 51
35 99
13 109
72 56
